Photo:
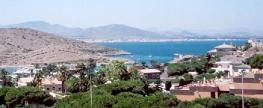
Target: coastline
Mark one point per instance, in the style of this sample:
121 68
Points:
155 40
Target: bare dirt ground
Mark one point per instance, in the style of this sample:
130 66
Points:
26 46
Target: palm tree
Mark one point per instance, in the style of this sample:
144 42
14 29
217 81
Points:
38 78
17 79
120 70
63 76
100 78
86 77
91 65
4 77
105 69
81 85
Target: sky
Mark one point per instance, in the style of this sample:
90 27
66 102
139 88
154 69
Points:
147 14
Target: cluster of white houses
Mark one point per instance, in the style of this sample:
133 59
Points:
24 76
240 77
231 60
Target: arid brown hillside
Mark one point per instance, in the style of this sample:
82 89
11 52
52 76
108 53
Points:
26 46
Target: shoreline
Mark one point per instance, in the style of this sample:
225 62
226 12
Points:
152 40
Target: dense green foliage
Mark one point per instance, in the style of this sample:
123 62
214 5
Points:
224 101
202 65
5 78
256 61
119 94
131 94
86 77
16 97
198 64
246 46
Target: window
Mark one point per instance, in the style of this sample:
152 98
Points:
47 88
53 88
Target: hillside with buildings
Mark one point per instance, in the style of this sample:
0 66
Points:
27 46
237 71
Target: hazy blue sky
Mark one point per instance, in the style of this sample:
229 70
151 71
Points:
161 14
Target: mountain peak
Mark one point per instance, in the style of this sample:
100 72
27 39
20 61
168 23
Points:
39 23
116 26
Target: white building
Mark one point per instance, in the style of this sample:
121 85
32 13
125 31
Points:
223 49
150 73
233 68
24 81
255 43
51 84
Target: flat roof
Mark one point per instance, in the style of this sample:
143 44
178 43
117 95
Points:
225 46
150 71
223 62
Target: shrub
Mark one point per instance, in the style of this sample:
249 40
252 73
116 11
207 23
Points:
16 96
168 85
256 61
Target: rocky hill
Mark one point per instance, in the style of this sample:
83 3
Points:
26 46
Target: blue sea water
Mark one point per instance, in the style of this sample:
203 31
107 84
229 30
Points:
9 69
165 51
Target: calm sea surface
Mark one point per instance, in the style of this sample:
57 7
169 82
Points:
166 51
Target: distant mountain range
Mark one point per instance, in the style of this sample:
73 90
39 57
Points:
118 31
112 31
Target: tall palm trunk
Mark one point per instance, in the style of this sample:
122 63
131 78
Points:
63 86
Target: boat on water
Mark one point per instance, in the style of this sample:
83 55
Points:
177 54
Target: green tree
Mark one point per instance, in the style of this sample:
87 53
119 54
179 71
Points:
100 78
256 61
246 46
5 78
144 64
120 70
155 64
188 77
86 78
63 70
168 85
17 97
83 83
107 71
51 68
38 78
176 69
134 74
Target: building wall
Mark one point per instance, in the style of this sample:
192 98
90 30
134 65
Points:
185 97
258 96
245 80
248 86
152 75
225 49
224 52
247 91
190 96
